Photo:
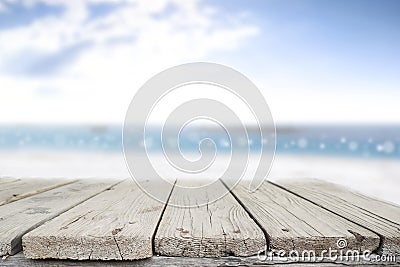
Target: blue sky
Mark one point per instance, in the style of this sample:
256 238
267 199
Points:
315 61
352 40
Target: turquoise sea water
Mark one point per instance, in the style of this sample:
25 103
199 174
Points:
354 141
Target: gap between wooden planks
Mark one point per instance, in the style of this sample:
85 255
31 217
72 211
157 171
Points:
117 224
217 229
21 188
379 216
293 223
19 217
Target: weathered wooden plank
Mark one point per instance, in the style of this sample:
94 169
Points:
19 217
378 216
117 224
294 223
20 260
22 188
218 229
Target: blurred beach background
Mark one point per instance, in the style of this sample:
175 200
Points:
329 71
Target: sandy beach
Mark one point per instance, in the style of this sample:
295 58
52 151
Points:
375 177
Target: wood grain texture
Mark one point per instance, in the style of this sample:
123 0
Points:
117 224
19 217
218 229
377 215
21 188
294 223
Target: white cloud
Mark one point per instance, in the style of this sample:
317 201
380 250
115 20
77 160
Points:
2 7
122 49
